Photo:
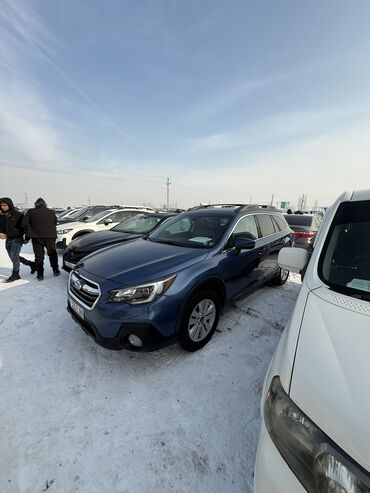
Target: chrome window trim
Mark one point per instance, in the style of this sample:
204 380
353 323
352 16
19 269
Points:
258 240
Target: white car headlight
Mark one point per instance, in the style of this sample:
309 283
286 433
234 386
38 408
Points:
64 231
319 464
143 293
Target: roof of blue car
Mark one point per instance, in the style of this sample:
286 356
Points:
230 210
212 212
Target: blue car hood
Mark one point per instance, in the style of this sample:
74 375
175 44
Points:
140 261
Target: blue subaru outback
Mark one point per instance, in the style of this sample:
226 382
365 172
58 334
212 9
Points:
173 283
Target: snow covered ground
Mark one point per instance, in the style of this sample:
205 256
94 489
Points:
75 417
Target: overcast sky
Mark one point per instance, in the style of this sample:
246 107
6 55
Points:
232 100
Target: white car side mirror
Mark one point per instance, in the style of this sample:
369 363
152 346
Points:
293 259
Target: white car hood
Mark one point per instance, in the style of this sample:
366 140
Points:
331 375
74 224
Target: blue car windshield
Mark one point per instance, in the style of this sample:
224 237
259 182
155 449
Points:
192 230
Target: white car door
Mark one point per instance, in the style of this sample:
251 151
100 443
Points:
112 219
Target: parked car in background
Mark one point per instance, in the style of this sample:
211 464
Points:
58 210
84 213
67 213
173 283
101 221
315 428
130 229
305 227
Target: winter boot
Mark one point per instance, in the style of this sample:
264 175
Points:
14 277
56 272
40 276
29 264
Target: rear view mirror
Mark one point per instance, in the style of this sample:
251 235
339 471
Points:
244 244
108 221
85 218
293 259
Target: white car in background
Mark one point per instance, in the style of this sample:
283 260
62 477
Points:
67 212
315 426
101 221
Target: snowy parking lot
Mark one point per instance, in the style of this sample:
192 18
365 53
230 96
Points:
79 418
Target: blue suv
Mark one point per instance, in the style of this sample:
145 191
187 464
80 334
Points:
173 283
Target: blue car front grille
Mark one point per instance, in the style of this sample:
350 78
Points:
85 290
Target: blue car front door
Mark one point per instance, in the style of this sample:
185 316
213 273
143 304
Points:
241 268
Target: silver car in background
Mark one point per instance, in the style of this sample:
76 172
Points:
304 227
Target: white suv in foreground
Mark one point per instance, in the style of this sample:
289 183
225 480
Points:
315 430
101 221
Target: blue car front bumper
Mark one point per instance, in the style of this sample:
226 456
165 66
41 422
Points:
110 324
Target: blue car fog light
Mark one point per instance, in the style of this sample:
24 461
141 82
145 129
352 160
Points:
135 340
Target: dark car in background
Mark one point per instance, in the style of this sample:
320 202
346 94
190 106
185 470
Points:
130 229
305 227
172 284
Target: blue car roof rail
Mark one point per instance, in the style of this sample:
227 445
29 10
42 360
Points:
238 207
258 207
220 206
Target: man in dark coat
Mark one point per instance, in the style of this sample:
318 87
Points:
40 225
11 231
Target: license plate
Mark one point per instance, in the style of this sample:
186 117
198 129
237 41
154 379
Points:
76 308
69 264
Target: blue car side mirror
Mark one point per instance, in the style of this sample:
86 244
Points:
244 244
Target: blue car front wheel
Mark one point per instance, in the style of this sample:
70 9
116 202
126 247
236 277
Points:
200 320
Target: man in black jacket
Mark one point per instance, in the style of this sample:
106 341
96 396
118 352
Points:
40 225
12 232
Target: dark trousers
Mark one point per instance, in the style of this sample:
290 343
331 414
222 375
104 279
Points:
39 245
13 247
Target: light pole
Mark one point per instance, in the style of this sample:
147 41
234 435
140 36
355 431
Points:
168 183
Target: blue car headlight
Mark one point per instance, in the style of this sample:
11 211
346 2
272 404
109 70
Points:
319 464
143 293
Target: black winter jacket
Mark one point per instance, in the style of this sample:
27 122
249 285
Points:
10 222
40 222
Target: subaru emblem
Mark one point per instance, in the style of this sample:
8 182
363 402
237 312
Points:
76 284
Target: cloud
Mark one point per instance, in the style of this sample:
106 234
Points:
274 130
26 130
23 22
214 142
230 97
87 99
29 129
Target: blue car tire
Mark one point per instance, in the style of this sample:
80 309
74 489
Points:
199 320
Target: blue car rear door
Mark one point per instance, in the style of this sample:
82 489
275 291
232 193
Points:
272 241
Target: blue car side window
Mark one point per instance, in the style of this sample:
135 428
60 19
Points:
245 228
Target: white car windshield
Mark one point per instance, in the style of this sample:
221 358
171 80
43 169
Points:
97 216
78 213
345 260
